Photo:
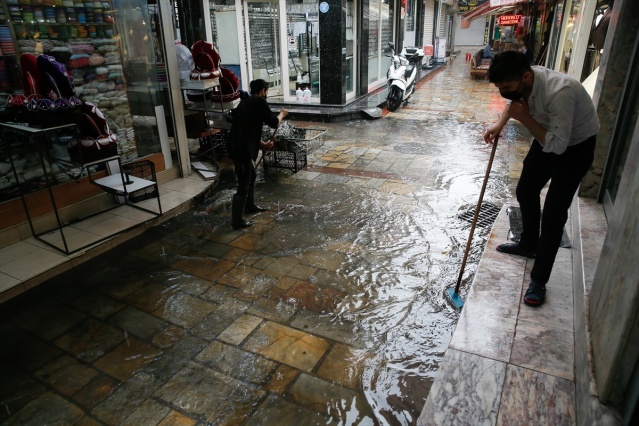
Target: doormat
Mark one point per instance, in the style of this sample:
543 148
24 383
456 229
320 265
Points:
516 227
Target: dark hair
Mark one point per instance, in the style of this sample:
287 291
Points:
508 66
257 86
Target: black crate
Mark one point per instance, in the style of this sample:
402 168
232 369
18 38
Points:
293 161
143 169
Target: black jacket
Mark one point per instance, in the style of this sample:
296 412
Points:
252 112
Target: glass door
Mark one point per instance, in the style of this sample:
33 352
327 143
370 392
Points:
351 51
262 37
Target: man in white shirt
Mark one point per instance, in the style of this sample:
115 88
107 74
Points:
560 114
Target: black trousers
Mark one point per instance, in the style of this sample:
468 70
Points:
245 172
564 172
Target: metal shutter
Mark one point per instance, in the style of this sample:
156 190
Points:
442 20
429 21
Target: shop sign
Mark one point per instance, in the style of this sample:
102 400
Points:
497 3
323 7
505 20
468 5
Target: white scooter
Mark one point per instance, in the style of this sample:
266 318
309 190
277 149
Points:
402 75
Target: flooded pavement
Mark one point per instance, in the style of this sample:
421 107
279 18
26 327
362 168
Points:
329 310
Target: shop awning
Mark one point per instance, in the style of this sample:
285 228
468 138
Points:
486 9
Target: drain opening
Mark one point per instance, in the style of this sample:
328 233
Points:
487 215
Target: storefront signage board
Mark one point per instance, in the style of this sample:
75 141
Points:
509 19
497 3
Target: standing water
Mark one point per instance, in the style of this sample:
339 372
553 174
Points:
329 310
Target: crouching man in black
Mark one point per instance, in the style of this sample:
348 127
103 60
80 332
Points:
247 142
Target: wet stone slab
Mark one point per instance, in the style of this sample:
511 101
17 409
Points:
208 395
48 408
275 411
16 390
66 375
174 357
127 358
287 345
90 340
126 398
242 365
210 327
138 323
340 403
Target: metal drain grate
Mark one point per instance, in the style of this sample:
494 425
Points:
487 215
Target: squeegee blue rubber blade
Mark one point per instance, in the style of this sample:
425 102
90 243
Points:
455 298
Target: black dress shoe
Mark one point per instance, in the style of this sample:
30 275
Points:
254 209
242 224
516 249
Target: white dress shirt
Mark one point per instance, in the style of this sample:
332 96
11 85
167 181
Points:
563 107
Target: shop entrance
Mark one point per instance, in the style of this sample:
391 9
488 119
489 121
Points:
261 20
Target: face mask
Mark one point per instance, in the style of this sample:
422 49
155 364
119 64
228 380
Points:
513 95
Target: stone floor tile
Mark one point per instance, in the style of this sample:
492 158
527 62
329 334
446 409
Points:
275 309
90 340
207 395
242 365
325 397
218 293
313 297
49 319
343 365
175 357
149 413
97 304
177 419
96 391
256 287
184 310
487 336
48 408
17 389
150 297
125 399
467 391
169 336
555 313
281 379
26 352
138 323
281 267
302 272
530 397
238 276
66 375
204 267
330 327
127 358
239 329
287 345
544 349
248 241
241 256
210 327
275 411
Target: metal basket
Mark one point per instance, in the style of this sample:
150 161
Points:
291 149
300 140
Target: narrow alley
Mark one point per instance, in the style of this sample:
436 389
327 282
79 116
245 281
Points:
329 310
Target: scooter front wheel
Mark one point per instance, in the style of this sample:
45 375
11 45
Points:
394 99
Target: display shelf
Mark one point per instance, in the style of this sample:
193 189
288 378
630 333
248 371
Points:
132 182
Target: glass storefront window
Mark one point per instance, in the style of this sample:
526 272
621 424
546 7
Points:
225 36
302 20
380 33
111 49
349 72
